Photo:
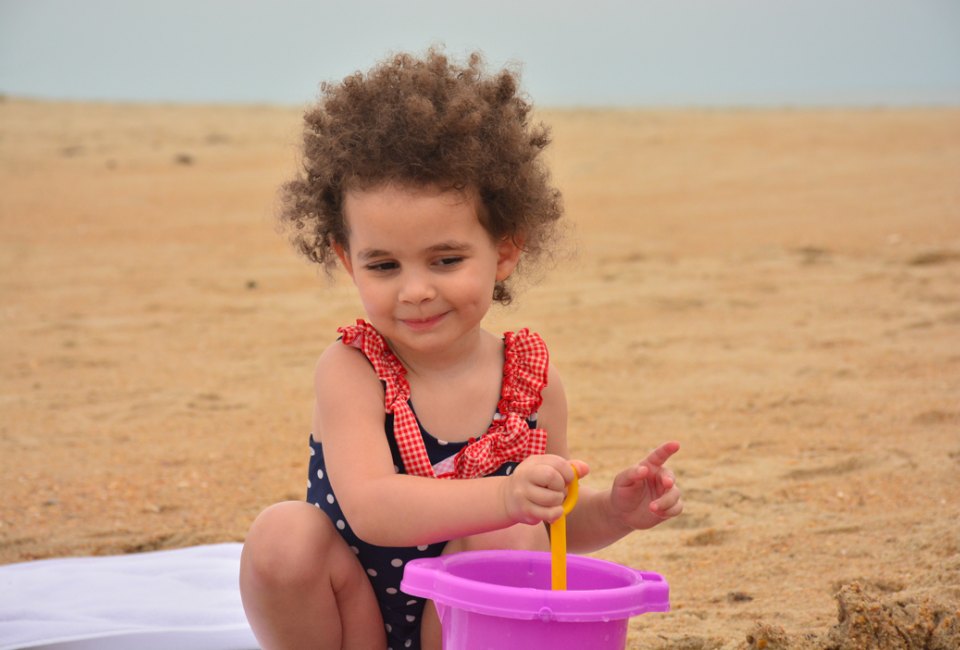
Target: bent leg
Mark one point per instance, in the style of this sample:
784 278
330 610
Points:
520 537
302 587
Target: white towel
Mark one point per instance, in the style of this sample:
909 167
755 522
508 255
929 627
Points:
184 599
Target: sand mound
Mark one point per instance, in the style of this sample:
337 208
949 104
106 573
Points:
866 621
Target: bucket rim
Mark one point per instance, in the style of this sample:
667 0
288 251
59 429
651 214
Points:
431 578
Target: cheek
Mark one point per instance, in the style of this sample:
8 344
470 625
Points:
372 296
480 289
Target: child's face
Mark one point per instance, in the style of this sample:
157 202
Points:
423 263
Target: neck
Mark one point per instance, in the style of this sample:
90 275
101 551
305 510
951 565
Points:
466 353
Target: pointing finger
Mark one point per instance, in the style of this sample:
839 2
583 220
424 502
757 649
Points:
662 454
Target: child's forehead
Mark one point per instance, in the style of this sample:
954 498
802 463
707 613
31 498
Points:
394 196
378 216
389 199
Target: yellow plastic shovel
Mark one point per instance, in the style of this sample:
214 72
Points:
558 538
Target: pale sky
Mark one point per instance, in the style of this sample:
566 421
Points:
572 52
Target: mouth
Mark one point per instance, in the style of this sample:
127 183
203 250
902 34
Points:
420 324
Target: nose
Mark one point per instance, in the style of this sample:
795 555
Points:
417 288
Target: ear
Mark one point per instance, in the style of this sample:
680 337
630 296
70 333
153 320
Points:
344 256
508 256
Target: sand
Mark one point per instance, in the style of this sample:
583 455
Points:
778 290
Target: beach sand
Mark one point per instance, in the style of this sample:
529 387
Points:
777 290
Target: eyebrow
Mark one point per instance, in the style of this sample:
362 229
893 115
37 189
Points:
442 247
372 253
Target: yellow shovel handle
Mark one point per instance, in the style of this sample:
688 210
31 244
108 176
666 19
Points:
558 538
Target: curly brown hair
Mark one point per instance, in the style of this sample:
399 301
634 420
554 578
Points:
423 122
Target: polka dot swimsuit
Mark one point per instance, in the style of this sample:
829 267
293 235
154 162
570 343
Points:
401 612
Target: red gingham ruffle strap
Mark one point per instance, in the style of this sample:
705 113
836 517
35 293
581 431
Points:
525 366
406 430
509 438
391 372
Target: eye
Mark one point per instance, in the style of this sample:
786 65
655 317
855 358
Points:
449 261
382 267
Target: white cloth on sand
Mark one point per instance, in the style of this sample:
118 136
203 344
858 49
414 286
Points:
186 599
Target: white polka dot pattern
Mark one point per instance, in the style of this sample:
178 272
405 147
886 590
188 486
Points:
384 566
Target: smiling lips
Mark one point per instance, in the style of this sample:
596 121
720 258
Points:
420 324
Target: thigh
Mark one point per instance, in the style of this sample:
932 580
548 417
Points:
300 583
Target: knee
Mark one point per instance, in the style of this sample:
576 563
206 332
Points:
286 546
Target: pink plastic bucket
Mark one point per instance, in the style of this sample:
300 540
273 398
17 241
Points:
502 599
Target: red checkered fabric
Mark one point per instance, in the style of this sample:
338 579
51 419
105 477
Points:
509 438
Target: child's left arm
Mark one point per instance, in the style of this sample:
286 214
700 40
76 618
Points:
640 497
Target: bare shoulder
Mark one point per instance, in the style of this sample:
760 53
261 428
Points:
554 392
553 378
553 413
344 381
343 364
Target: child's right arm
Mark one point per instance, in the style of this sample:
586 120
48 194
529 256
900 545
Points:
390 509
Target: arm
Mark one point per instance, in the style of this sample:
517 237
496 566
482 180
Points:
640 497
390 509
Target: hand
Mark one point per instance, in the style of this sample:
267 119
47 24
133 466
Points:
646 494
534 492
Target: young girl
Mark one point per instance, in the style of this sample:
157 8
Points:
423 179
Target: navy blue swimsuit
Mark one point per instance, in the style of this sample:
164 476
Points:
524 376
384 564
